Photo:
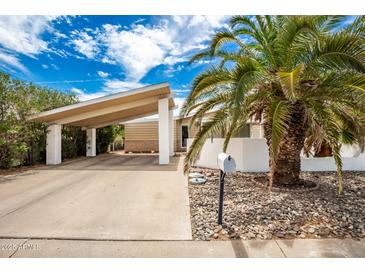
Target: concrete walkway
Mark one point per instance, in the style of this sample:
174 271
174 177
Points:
108 197
329 248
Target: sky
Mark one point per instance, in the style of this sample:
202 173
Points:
98 55
95 56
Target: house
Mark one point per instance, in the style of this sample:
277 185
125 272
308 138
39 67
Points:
141 135
167 134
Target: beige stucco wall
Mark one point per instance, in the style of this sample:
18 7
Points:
257 131
143 136
191 131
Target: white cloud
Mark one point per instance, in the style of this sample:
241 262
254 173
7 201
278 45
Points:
142 47
107 60
12 61
134 50
201 62
83 96
59 35
76 90
103 74
110 86
118 85
85 44
22 34
171 69
44 66
181 91
179 102
168 42
171 60
55 66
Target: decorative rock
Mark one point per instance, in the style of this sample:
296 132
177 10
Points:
280 234
324 232
250 235
251 212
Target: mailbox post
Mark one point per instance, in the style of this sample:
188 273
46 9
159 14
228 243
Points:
226 164
221 196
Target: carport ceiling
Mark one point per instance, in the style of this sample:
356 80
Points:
121 106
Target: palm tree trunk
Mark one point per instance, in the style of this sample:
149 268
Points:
286 169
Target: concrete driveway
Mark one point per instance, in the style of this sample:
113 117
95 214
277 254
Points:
111 196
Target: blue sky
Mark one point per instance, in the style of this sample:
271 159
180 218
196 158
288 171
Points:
98 55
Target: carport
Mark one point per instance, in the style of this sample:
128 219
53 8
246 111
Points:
112 109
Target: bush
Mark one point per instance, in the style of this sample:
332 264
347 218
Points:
23 142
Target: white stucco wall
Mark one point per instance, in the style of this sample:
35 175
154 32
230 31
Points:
251 155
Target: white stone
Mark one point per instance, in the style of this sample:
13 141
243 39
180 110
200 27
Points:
197 180
195 175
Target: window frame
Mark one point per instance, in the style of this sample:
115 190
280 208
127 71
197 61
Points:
181 144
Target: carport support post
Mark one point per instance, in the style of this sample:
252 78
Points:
163 131
171 132
54 145
91 142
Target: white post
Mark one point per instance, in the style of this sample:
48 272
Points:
54 145
163 131
91 142
171 132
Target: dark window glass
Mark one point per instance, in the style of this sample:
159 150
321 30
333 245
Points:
184 135
244 132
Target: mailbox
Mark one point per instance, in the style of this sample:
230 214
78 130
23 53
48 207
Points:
226 163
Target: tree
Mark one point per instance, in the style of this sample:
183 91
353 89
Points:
303 75
23 142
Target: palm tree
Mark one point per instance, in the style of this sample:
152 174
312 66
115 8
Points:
303 75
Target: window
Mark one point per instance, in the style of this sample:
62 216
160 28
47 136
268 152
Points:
184 135
245 132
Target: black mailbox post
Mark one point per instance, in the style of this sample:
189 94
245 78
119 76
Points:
221 196
226 164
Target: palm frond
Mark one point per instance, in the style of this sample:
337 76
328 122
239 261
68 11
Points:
214 124
340 51
290 81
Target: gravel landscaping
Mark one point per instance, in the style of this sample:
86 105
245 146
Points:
251 212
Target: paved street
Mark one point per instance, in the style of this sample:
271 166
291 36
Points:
318 248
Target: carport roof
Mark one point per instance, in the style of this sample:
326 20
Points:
117 107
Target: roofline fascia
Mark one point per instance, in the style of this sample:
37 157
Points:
113 96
